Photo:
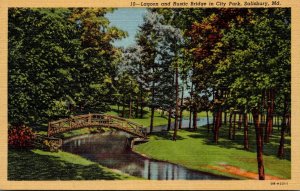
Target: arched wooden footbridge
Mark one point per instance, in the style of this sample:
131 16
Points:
95 120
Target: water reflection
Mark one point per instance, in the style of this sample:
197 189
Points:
110 150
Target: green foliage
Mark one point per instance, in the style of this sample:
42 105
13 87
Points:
35 55
51 146
159 46
257 53
61 62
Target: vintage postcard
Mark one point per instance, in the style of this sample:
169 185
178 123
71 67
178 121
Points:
149 95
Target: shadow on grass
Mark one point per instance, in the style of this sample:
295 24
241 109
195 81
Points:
27 165
165 135
270 149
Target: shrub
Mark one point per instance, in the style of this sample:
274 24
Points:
20 137
50 145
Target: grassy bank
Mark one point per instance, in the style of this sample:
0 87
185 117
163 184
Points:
196 151
186 114
158 120
42 165
145 121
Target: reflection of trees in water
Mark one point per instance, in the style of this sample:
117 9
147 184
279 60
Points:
111 151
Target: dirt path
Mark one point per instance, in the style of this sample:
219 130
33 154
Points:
241 172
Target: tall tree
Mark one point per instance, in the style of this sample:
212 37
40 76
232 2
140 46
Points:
40 55
260 45
159 42
60 62
147 39
134 65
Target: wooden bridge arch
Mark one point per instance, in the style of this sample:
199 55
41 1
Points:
95 120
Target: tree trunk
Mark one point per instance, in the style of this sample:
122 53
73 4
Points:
190 118
180 117
259 144
225 118
282 139
289 124
181 106
230 126
152 108
273 109
195 119
283 129
169 119
269 120
141 109
141 92
213 113
207 121
176 107
191 107
216 127
214 122
123 111
217 124
246 140
130 107
220 119
234 125
137 107
151 120
141 103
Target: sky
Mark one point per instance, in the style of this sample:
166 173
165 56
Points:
127 19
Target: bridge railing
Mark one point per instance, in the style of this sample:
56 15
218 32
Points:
126 124
93 119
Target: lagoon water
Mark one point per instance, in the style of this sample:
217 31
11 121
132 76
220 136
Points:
111 150
185 124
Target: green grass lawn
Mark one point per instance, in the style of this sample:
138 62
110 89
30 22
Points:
158 118
195 150
145 121
186 114
42 165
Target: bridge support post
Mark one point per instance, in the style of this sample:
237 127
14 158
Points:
130 143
